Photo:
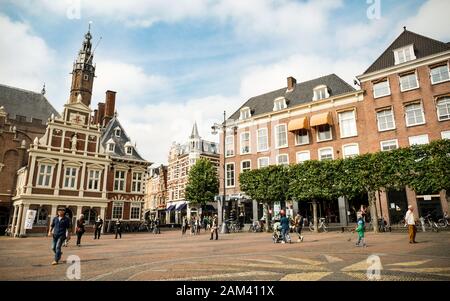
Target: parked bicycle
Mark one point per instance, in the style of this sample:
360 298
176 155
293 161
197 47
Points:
233 226
443 222
322 225
430 223
255 227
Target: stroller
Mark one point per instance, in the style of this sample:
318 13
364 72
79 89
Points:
277 236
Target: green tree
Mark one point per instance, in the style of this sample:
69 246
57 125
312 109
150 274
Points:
313 180
266 185
203 183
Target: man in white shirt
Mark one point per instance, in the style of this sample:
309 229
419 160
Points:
411 222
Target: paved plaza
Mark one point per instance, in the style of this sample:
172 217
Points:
240 256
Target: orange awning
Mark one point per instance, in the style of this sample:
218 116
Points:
321 119
298 124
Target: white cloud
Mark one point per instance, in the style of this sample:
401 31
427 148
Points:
431 20
128 80
260 79
25 58
156 126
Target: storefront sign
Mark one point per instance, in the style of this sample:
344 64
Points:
29 220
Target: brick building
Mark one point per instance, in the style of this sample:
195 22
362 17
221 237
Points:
84 163
181 158
407 102
404 100
320 119
156 193
22 118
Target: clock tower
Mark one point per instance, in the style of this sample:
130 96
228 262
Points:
83 73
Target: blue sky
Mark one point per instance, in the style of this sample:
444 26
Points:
173 62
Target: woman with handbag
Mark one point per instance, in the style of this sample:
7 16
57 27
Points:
80 229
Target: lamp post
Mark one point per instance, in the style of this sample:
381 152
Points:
215 128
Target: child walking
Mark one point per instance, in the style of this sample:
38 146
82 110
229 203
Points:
360 229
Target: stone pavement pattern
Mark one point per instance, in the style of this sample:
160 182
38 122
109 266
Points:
241 256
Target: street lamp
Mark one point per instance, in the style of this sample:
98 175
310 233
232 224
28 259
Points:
215 129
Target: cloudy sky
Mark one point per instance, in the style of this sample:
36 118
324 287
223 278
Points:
174 62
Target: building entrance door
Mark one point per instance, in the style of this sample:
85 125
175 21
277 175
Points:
397 204
430 205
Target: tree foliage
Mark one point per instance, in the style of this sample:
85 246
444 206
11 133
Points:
203 183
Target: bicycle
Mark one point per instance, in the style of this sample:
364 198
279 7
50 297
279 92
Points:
322 225
429 223
443 222
255 227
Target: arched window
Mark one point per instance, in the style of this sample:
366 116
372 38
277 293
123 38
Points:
41 216
89 216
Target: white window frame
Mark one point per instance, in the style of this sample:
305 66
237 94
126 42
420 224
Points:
241 143
325 148
92 179
258 136
234 175
129 150
445 135
388 141
113 147
228 144
344 155
406 114
135 205
375 96
44 175
297 137
393 120
242 165
410 88
341 128
317 133
263 158
117 205
72 178
320 92
282 155
279 104
302 152
410 49
245 113
445 99
442 80
120 180
418 137
136 182
277 142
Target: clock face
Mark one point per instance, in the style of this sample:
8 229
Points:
77 119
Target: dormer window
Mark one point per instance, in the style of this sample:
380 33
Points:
117 131
321 92
404 54
245 113
128 148
279 104
110 146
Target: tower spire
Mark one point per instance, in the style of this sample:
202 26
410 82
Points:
83 72
194 133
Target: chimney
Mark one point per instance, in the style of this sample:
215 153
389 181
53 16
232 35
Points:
95 120
101 112
291 82
109 106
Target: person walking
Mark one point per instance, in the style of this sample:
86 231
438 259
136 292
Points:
60 229
118 228
192 225
205 223
360 229
98 225
214 227
198 225
298 223
285 227
157 230
183 226
411 222
80 229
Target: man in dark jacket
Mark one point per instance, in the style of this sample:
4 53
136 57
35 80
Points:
118 228
98 227
285 227
58 229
